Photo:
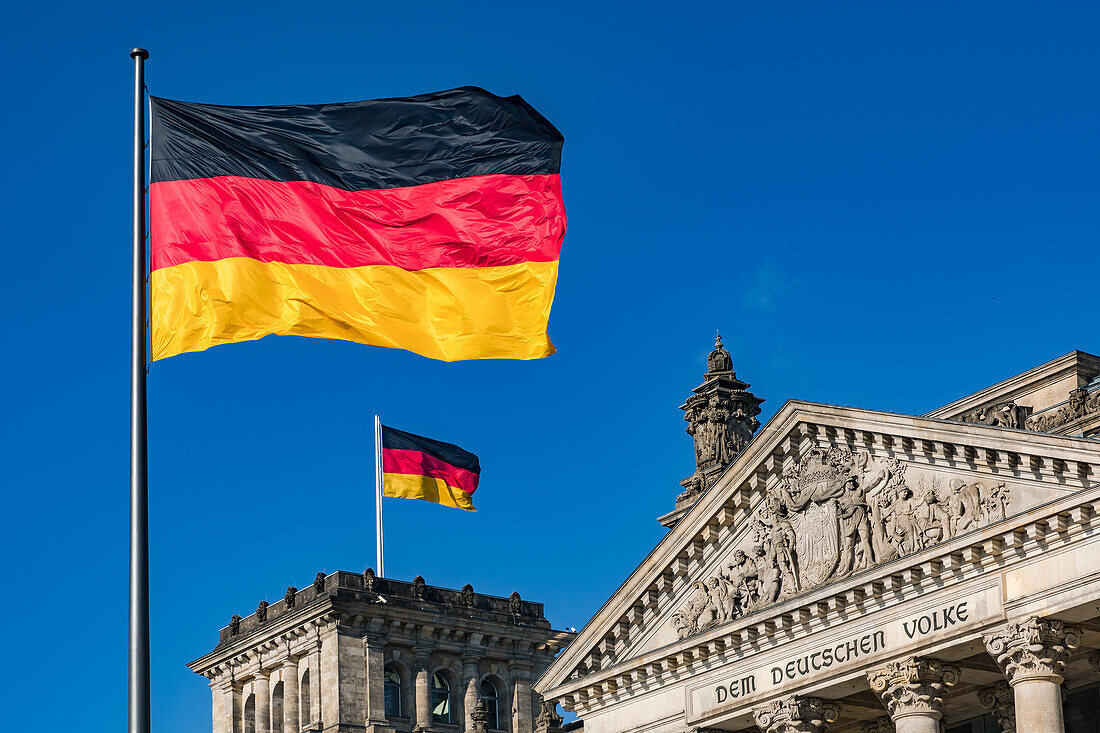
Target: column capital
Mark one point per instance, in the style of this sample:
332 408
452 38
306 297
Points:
421 657
796 714
913 686
1035 649
879 725
1000 700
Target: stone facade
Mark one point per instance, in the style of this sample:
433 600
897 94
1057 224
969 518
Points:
853 570
354 653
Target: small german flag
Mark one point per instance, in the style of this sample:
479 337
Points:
415 467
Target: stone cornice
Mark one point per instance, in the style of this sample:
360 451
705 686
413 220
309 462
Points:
300 629
997 546
1034 378
1059 460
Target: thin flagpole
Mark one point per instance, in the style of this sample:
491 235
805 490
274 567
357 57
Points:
139 477
378 496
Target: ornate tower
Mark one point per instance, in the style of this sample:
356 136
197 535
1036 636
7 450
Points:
721 415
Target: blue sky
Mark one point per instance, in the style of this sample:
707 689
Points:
886 205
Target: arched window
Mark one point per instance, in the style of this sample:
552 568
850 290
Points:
303 701
491 698
441 699
277 708
250 715
393 694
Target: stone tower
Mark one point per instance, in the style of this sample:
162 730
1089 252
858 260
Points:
721 415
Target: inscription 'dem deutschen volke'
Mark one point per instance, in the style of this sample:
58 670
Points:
843 652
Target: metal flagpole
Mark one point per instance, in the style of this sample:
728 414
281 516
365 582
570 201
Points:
139 479
378 495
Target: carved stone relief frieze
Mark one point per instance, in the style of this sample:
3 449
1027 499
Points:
1080 404
832 514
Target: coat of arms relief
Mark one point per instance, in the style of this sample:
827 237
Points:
832 514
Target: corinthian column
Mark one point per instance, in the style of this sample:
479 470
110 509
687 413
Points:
1033 654
912 692
796 714
999 700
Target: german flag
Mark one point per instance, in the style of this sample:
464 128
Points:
431 223
415 467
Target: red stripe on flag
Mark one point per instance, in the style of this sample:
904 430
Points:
482 221
414 462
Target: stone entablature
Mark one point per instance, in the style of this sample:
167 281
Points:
318 660
613 662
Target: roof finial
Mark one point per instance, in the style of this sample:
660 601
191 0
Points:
718 340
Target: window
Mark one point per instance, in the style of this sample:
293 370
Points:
490 697
250 714
303 697
277 709
441 699
393 694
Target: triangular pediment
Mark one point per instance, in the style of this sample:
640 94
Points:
824 494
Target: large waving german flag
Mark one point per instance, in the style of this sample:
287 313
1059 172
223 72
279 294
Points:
415 467
429 223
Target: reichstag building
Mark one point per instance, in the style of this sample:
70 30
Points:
837 569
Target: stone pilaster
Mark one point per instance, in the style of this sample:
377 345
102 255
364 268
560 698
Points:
291 721
912 691
374 665
1000 701
221 692
262 686
312 696
523 715
329 678
423 718
796 714
1033 654
473 692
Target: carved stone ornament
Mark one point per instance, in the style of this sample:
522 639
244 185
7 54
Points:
468 595
261 612
235 625
291 592
1001 415
515 604
480 717
420 588
721 414
1000 700
913 686
319 583
879 725
1033 649
368 580
796 714
548 719
832 514
1080 404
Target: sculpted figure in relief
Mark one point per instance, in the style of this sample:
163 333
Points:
832 514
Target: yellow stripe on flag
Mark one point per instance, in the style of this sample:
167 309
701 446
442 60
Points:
428 488
447 313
